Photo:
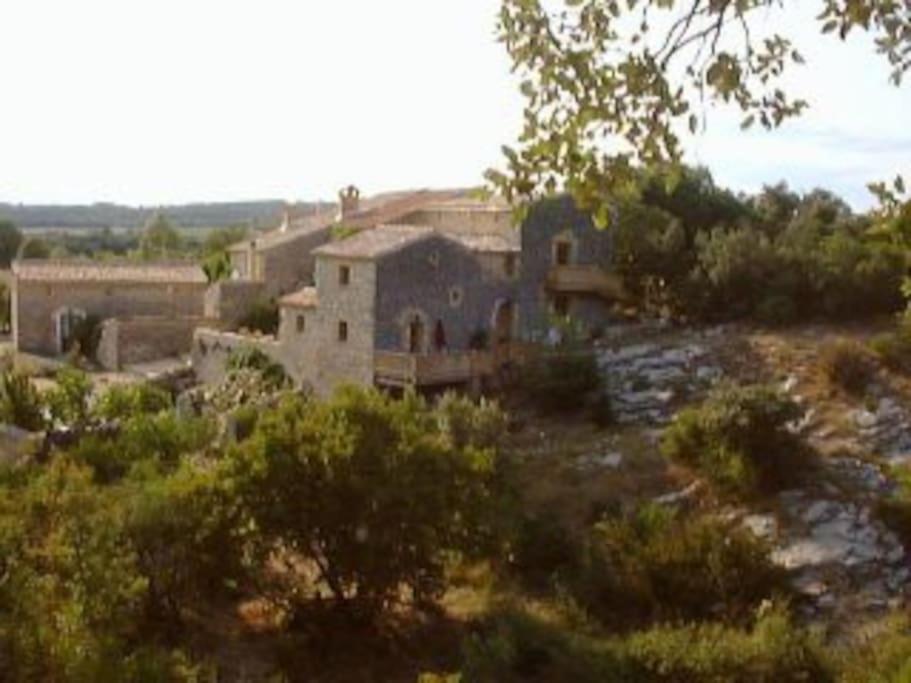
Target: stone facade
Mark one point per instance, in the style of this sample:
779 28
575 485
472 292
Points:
129 341
46 294
447 293
227 301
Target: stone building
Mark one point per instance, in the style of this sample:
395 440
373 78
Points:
430 289
49 298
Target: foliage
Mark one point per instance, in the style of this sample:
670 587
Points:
35 248
160 238
610 86
69 400
739 439
122 401
656 565
72 594
846 365
263 317
883 658
251 358
367 489
10 240
893 349
20 402
186 534
562 380
159 440
519 645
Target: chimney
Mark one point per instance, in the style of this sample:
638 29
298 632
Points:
349 201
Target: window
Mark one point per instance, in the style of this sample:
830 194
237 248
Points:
342 331
434 259
301 323
509 265
561 305
455 296
562 252
344 275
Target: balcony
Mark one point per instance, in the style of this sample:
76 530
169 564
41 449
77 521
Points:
393 368
585 279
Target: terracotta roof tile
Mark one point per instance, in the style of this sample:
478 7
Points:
114 271
302 298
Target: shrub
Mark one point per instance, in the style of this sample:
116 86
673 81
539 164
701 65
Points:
893 350
185 535
20 402
562 381
69 399
515 645
846 366
776 310
883 658
123 401
655 564
739 439
252 358
543 551
262 317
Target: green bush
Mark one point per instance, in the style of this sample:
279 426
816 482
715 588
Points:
543 552
20 402
370 490
655 564
893 350
847 366
882 658
262 317
739 439
69 401
562 381
121 401
776 310
251 358
515 645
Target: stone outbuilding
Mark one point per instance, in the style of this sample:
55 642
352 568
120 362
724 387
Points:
49 298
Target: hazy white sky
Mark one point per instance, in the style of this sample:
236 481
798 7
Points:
163 101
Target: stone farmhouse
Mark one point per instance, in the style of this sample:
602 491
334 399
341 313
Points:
426 289
147 310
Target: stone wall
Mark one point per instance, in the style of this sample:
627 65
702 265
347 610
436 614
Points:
228 301
36 303
128 341
211 349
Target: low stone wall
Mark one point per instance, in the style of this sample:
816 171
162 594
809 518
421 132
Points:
212 347
128 341
229 300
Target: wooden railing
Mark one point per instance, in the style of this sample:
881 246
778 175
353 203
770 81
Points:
416 369
587 279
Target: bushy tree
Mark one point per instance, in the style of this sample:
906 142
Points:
160 238
368 490
20 402
10 239
740 439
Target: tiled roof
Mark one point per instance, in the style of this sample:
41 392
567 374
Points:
302 298
101 271
488 243
370 244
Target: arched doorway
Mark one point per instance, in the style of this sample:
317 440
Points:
439 337
415 336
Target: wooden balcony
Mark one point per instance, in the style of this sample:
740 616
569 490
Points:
393 368
586 279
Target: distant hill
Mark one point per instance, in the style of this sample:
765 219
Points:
258 213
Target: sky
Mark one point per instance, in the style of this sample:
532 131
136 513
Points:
167 101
